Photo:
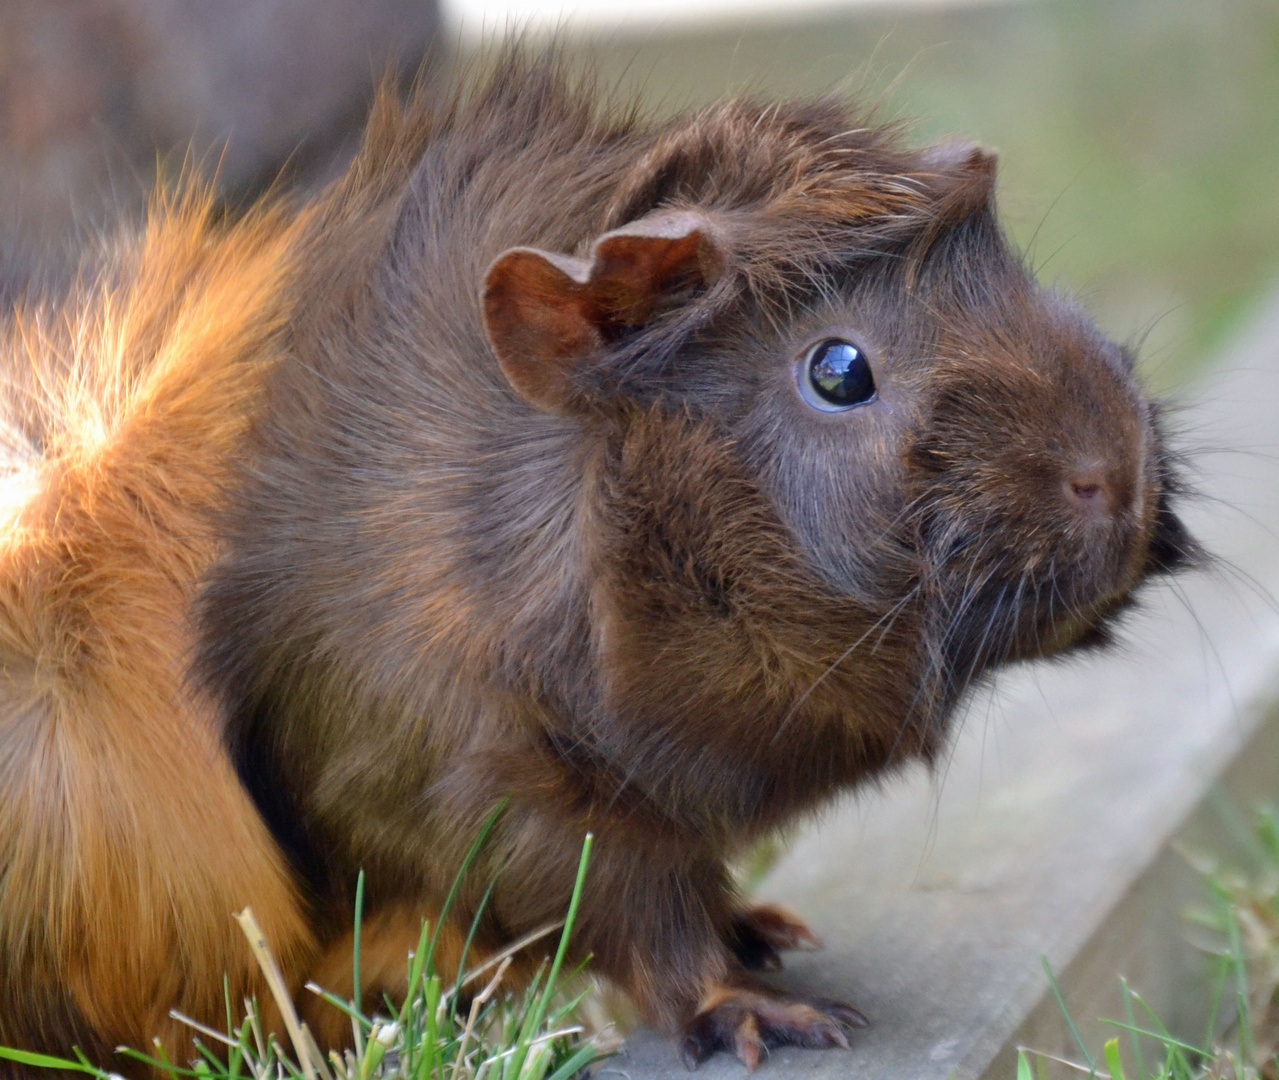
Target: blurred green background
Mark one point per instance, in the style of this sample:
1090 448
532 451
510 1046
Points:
1139 140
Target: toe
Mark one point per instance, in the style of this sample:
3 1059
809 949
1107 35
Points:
845 1014
780 927
693 1050
747 1043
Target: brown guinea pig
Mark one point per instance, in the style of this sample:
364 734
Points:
663 480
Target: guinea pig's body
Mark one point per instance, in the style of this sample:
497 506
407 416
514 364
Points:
664 481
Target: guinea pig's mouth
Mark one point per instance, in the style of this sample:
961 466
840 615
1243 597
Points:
1022 616
1169 549
1009 622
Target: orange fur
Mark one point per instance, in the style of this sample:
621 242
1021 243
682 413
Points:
126 840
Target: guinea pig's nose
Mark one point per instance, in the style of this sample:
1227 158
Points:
1092 493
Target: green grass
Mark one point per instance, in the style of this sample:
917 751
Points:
434 1034
1240 1040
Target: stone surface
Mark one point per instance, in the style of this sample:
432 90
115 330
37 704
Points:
1047 832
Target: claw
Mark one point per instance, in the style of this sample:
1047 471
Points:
747 1020
845 1014
830 1035
761 933
692 1052
747 1044
835 1037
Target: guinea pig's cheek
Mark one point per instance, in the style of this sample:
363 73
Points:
833 477
841 507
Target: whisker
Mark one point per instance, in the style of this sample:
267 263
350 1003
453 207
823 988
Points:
1179 592
937 665
891 612
1226 569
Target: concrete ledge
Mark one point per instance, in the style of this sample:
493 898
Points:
1050 830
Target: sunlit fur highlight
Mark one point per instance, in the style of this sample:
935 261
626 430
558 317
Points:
125 839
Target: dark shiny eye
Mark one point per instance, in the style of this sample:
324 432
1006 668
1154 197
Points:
836 375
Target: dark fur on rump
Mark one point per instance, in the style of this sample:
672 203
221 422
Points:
587 549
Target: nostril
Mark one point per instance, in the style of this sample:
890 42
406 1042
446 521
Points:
1090 493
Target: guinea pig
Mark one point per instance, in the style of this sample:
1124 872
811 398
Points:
665 480
660 480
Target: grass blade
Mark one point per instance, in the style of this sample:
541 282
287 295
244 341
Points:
1165 1038
1130 1016
486 830
1114 1062
514 1067
356 985
1023 1066
1070 1020
44 1061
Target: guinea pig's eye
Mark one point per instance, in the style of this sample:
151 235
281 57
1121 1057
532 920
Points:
836 375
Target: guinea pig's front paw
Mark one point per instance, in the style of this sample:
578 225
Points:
746 1020
762 932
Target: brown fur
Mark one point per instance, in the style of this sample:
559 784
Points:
492 474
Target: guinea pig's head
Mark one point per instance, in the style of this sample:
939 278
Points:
854 407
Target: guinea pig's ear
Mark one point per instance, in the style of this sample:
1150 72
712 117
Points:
546 313
962 175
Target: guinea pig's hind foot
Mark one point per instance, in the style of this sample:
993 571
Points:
748 1020
762 932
